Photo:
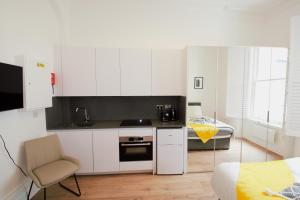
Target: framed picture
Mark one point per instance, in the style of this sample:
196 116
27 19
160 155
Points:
198 83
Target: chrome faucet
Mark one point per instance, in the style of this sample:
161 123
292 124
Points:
86 116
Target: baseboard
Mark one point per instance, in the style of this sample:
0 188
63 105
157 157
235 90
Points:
20 192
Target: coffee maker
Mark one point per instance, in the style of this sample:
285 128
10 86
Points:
167 113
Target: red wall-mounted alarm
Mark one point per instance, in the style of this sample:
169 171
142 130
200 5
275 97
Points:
53 79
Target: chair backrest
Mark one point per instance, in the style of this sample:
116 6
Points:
41 151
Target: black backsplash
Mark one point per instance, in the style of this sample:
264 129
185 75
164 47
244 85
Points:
110 108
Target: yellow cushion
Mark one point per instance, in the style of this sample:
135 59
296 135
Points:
54 172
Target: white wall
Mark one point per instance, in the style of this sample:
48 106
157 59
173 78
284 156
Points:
203 62
174 24
277 25
160 24
27 28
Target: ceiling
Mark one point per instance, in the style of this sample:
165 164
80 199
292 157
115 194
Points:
254 5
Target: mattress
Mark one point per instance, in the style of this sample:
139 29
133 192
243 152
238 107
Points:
226 175
225 130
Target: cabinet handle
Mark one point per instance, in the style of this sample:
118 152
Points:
130 145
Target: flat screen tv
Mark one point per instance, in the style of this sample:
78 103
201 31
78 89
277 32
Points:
11 87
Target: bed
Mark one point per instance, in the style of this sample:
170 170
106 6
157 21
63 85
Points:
222 138
226 175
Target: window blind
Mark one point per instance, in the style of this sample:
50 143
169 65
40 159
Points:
292 126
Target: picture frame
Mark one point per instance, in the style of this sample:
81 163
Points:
198 82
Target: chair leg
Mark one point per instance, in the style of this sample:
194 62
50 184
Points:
28 195
45 194
78 188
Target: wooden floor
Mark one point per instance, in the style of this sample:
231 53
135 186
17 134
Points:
137 187
146 186
199 161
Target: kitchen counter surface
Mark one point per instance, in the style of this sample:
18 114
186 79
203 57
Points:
116 124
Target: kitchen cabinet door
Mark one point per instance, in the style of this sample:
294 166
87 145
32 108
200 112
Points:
106 150
168 72
135 72
78 70
37 84
78 144
170 159
58 72
108 72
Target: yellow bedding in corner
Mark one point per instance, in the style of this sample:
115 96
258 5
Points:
204 131
254 178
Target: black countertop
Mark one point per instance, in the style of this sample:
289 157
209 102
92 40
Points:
116 124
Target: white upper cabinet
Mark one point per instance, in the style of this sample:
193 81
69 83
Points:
37 82
135 72
108 72
58 72
120 72
78 70
168 72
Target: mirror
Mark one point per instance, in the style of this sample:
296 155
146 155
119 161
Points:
236 98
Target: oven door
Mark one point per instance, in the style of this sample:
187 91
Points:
135 151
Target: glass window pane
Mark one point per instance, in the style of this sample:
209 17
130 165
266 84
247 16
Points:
264 63
261 100
277 96
279 63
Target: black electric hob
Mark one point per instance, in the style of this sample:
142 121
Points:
136 122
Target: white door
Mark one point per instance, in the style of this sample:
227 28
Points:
170 159
106 150
78 144
135 72
168 72
78 70
108 72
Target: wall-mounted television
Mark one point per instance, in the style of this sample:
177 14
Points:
11 87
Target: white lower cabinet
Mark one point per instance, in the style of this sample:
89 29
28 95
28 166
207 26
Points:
170 151
106 150
78 143
98 150
136 166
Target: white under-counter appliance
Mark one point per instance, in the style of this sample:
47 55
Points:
170 151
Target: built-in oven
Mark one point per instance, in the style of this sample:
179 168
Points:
136 148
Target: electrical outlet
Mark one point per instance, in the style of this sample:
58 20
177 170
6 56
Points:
159 106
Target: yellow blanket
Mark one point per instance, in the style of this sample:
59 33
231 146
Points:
254 178
204 131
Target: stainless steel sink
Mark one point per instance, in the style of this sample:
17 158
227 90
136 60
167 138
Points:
84 123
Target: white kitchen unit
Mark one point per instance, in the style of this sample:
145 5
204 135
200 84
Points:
135 72
78 70
37 82
108 72
58 72
168 72
106 150
78 144
170 154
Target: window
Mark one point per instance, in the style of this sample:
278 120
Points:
269 67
